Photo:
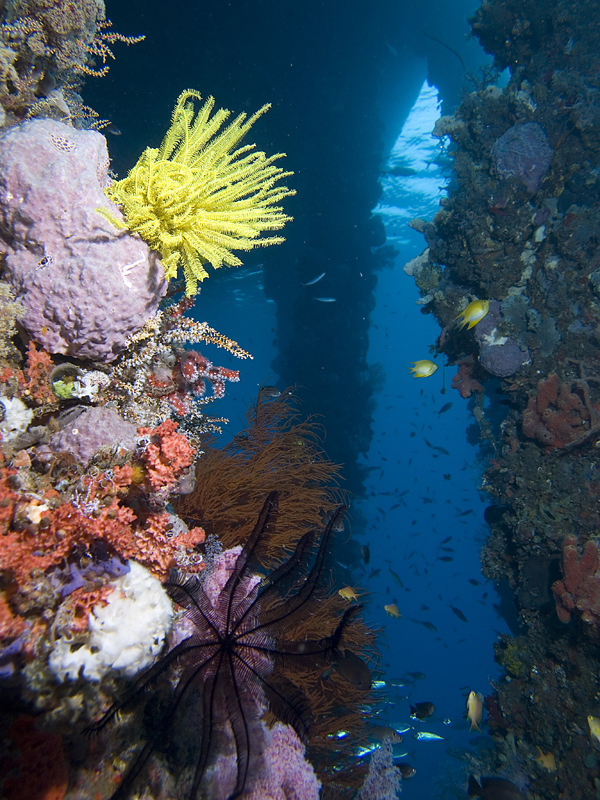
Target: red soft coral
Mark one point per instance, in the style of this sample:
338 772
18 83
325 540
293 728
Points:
37 371
48 535
166 456
464 381
579 589
556 415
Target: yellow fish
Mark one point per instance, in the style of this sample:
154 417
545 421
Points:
423 369
474 313
393 610
475 710
546 760
348 593
594 724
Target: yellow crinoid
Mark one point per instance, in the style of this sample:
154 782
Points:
199 196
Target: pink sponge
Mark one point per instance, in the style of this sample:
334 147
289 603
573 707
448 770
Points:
288 775
85 284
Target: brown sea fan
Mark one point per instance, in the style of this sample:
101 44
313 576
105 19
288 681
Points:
235 658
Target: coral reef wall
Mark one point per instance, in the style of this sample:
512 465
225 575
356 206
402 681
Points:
520 229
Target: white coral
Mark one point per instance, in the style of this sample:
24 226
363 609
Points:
126 635
17 418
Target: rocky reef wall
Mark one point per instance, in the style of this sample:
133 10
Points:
520 229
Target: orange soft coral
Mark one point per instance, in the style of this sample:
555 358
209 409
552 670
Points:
10 626
46 535
37 371
166 456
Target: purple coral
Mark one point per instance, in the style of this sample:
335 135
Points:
523 152
85 285
499 355
74 577
383 781
503 359
94 429
288 775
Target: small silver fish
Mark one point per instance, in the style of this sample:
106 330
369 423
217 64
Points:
423 736
268 393
400 728
314 280
364 751
325 299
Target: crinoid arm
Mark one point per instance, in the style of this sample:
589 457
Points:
133 697
236 660
201 195
306 594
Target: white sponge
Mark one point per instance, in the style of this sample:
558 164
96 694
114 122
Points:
126 635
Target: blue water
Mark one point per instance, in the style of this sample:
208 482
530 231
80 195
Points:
405 470
409 425
349 93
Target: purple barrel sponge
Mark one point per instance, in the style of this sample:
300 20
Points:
499 355
523 152
92 430
85 285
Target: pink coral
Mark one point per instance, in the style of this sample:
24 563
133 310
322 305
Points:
95 429
219 575
464 381
383 781
556 415
579 589
288 775
285 773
